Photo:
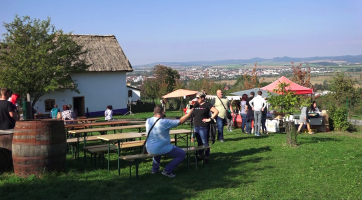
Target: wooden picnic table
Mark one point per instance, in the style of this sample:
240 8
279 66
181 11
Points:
85 120
83 125
131 135
114 128
102 131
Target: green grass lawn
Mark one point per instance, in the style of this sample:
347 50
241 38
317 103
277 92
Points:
323 166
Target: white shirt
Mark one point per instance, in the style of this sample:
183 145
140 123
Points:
258 103
108 114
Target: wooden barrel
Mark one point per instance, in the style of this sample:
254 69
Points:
6 139
38 146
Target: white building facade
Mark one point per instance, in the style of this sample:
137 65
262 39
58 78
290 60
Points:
103 84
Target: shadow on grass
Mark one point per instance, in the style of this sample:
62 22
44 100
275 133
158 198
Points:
247 136
225 170
317 140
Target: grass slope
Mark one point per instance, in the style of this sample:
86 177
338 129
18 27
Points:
323 166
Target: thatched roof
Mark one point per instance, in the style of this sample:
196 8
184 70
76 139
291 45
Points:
105 54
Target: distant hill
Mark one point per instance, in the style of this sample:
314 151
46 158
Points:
347 58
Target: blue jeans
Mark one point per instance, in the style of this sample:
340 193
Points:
243 122
257 122
202 137
220 128
248 126
176 153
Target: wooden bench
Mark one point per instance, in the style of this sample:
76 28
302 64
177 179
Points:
103 148
88 138
132 158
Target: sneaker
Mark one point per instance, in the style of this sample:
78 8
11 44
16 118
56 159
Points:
221 140
311 132
171 175
154 172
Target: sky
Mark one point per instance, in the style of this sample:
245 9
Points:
205 30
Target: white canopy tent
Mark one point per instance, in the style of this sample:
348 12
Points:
229 97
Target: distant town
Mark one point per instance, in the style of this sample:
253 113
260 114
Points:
136 77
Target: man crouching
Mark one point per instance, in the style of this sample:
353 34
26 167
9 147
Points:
159 143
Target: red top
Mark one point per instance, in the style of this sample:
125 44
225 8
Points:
298 89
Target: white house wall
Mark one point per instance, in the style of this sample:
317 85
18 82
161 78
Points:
99 89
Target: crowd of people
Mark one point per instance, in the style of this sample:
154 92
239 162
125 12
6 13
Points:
203 114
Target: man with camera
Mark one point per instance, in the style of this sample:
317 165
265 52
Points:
158 141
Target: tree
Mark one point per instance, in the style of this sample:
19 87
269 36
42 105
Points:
301 76
167 74
252 81
205 84
165 80
36 58
342 87
247 81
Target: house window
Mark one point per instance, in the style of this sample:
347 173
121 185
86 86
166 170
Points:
49 104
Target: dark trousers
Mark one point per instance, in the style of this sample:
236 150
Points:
263 121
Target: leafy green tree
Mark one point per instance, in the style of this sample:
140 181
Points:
36 58
165 80
170 76
246 81
206 84
343 87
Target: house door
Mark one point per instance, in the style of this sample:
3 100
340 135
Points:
78 106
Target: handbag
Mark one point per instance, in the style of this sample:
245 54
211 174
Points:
144 150
228 114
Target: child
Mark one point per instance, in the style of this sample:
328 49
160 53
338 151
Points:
108 113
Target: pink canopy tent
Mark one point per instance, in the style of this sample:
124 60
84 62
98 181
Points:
298 89
179 93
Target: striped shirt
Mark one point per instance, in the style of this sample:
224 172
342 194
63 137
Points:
158 141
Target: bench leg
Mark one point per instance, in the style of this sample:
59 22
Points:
78 146
104 161
109 146
196 160
119 167
136 169
84 141
203 158
99 160
91 155
130 170
95 160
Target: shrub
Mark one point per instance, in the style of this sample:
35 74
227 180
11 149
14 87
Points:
338 118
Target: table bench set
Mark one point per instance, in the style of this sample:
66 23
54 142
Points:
120 141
